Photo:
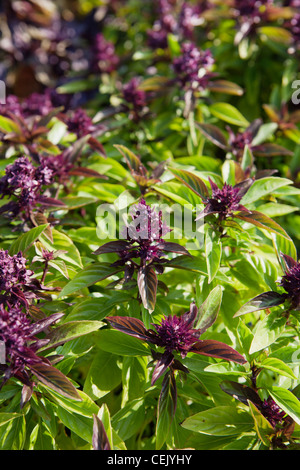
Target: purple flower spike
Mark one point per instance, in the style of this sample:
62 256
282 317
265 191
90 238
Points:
175 334
271 411
225 201
291 281
13 271
134 96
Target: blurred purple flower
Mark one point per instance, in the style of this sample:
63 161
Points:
80 123
190 17
238 141
193 67
18 333
54 168
253 10
11 107
104 57
135 97
20 181
25 184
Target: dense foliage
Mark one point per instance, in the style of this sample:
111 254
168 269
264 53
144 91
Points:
150 283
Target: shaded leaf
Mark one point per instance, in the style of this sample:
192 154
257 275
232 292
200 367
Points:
147 284
225 86
214 134
261 302
241 392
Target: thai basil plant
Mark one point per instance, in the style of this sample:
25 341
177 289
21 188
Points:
149 225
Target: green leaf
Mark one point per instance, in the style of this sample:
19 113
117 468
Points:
98 384
213 253
166 408
263 187
7 125
90 275
209 310
134 377
262 426
70 253
220 421
70 330
7 417
287 401
74 202
278 366
119 343
265 132
228 113
128 420
267 331
276 33
13 433
26 240
79 424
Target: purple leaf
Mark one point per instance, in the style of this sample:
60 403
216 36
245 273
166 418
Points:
112 247
213 134
289 262
54 379
241 392
147 284
131 326
192 181
270 150
86 172
173 248
214 348
261 302
162 364
49 201
100 439
40 325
